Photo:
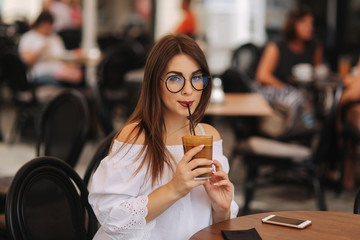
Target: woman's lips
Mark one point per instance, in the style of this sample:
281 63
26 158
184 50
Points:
184 104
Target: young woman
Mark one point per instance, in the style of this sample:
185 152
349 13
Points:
145 188
274 73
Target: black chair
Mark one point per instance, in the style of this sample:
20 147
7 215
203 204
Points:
63 127
357 203
112 88
100 153
288 157
23 92
246 58
71 38
1 103
48 200
235 81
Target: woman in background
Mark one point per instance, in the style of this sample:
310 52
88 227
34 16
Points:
145 187
188 23
274 73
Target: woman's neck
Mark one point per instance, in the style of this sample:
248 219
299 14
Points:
175 129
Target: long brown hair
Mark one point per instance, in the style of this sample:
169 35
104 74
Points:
149 110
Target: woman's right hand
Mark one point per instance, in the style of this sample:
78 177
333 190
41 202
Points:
186 170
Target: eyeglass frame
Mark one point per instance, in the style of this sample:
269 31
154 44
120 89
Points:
165 81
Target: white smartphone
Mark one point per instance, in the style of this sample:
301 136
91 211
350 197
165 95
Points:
286 221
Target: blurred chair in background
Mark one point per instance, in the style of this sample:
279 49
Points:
23 92
357 203
112 88
100 153
27 98
238 78
301 161
48 200
63 127
71 38
246 59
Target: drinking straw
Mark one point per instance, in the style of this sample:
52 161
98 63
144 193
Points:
191 121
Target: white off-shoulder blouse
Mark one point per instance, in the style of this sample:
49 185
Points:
119 198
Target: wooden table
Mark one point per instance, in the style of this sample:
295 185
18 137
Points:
325 225
240 104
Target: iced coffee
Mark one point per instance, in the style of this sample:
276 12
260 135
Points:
190 141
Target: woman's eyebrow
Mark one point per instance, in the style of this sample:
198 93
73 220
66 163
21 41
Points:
175 72
180 73
197 71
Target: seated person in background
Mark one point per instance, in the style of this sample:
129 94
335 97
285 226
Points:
350 94
274 73
145 187
188 23
41 49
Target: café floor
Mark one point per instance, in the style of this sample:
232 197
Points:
270 198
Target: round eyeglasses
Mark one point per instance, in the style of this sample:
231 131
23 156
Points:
176 83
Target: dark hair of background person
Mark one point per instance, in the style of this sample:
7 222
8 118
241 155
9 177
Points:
44 17
294 15
187 2
149 112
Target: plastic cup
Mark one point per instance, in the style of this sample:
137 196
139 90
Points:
190 141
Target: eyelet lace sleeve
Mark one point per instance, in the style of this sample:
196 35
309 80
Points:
118 199
127 221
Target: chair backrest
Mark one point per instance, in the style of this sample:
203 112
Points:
357 203
14 71
117 61
327 150
246 58
100 153
47 199
234 81
71 38
63 127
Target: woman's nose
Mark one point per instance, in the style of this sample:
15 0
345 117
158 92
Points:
188 89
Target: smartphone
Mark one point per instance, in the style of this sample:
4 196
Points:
286 221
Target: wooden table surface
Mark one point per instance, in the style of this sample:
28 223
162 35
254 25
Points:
325 225
240 104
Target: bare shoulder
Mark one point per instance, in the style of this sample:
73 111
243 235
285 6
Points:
128 135
271 48
211 130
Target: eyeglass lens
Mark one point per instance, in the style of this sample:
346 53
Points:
176 83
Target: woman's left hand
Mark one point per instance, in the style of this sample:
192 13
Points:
220 191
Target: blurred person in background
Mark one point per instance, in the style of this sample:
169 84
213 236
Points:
67 13
275 71
349 106
42 50
188 23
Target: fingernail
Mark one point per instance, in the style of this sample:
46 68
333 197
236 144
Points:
201 146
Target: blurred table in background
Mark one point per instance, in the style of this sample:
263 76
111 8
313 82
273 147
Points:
240 104
320 91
